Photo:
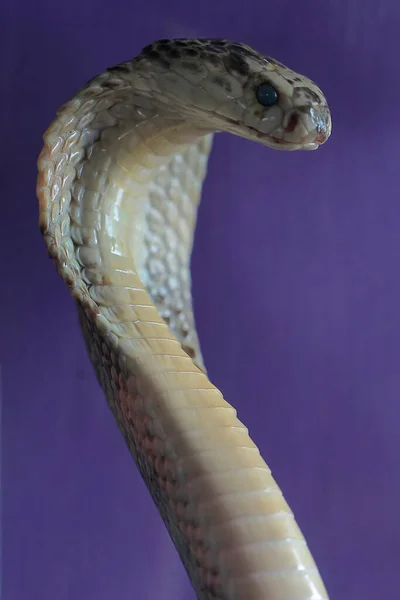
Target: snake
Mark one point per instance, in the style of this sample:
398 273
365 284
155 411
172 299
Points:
120 178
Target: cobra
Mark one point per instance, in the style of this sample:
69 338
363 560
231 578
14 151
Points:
120 180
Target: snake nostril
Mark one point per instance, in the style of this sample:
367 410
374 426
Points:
321 136
322 131
320 119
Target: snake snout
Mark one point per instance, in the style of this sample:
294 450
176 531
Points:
322 125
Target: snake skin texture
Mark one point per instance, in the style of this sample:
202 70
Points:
120 180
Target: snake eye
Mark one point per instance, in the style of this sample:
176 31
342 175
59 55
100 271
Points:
267 95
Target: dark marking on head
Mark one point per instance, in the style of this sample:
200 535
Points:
235 57
167 49
121 68
242 49
217 42
174 53
309 94
292 123
153 54
234 63
222 82
190 52
110 84
274 62
149 50
191 66
212 59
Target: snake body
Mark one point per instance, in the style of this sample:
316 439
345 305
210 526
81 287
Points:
120 179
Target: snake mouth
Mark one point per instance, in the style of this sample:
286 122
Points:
311 141
280 144
310 146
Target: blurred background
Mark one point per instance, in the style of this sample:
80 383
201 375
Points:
297 295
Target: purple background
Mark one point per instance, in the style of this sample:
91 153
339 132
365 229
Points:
297 295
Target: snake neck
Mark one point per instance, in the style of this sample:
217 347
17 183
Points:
133 225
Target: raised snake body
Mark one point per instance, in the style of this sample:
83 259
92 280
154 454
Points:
120 178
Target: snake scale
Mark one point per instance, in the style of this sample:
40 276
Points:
120 179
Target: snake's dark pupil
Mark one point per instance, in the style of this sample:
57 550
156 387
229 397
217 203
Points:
267 95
